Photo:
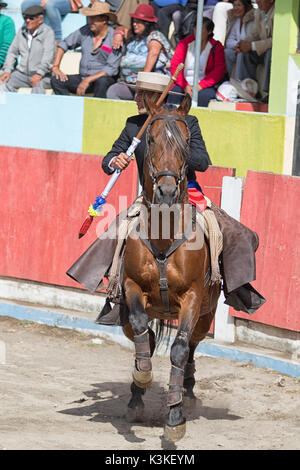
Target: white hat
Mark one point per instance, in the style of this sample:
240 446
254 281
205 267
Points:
226 92
152 81
246 89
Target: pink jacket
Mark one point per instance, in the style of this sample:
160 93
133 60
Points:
215 68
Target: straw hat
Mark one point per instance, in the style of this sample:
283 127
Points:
152 81
246 89
99 8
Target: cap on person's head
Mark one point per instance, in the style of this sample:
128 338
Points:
144 12
33 11
99 8
3 5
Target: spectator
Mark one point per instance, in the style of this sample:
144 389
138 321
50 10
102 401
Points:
7 33
165 10
35 45
55 10
257 47
239 25
147 49
212 65
99 64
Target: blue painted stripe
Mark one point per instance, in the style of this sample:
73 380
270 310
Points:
65 321
45 122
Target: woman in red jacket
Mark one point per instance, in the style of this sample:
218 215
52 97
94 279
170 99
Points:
212 66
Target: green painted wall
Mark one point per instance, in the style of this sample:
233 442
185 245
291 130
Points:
284 44
240 140
103 123
245 141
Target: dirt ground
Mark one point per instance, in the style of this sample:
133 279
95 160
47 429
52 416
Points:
61 390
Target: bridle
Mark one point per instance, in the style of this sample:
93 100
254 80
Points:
179 178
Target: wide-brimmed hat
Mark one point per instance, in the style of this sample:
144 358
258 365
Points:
151 81
99 8
35 10
3 5
144 12
246 89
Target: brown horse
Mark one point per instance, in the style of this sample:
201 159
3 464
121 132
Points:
167 278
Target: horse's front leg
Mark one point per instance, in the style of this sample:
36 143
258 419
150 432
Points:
142 371
175 424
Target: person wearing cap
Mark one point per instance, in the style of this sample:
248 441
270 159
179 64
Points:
7 33
146 48
34 45
99 63
55 11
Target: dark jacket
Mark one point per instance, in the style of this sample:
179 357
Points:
198 159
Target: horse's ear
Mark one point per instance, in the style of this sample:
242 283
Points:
186 104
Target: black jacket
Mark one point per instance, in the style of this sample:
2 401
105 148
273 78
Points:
198 159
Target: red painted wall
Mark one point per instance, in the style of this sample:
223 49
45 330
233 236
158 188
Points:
44 200
271 207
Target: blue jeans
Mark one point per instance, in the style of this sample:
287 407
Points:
204 96
54 11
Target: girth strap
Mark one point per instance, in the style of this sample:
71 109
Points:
161 259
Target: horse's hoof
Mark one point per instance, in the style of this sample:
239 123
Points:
142 379
175 433
135 415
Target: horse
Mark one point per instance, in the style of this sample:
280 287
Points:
166 279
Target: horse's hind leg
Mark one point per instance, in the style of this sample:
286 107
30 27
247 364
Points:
201 329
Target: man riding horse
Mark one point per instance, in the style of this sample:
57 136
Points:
237 260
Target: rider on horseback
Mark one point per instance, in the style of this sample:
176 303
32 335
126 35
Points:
239 242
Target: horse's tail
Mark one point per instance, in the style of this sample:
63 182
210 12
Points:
162 330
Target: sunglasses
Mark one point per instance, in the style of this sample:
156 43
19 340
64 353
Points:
29 17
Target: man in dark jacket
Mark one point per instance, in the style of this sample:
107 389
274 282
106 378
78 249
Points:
198 159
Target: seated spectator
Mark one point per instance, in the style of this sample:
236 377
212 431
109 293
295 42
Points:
212 65
7 33
99 63
164 10
55 10
239 25
146 49
34 44
257 47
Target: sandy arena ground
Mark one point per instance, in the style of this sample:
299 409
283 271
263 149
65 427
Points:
60 390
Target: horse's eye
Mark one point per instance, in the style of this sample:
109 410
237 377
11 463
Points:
151 139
